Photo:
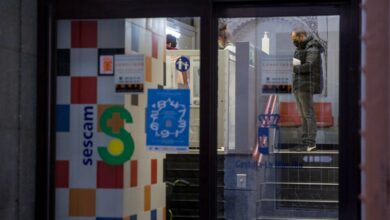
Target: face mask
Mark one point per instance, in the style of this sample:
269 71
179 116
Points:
297 43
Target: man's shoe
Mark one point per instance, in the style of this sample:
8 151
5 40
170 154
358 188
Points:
311 148
299 148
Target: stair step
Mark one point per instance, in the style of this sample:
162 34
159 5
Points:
306 160
280 211
320 147
291 218
299 192
299 200
299 207
286 151
185 217
300 183
298 175
188 170
297 204
304 167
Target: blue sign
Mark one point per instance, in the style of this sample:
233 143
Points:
269 120
263 140
167 119
182 64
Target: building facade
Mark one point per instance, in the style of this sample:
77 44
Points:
66 107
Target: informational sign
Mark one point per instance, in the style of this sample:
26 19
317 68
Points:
276 74
182 64
263 139
167 120
266 122
106 65
129 73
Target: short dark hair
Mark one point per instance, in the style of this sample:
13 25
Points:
222 26
171 39
223 31
299 30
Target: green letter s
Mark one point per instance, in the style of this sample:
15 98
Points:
122 135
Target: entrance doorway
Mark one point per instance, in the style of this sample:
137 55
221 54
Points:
278 116
244 119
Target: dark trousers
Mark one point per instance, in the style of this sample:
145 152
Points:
306 109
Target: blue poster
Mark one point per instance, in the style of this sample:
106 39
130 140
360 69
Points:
167 119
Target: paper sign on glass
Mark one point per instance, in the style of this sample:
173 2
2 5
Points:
167 119
296 61
129 73
106 65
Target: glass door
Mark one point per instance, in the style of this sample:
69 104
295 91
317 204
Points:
278 113
127 119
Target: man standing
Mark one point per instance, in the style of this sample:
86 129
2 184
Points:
307 80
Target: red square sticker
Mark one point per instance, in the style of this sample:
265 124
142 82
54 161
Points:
154 171
134 173
62 174
109 176
84 34
83 90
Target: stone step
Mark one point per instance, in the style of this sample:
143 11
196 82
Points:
291 218
307 159
305 174
299 209
299 192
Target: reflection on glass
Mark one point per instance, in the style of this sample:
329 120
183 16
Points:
182 72
278 117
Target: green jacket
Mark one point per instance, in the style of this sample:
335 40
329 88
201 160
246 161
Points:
307 76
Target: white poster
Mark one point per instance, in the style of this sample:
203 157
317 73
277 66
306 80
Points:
129 73
276 74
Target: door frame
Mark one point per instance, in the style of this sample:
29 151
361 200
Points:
209 11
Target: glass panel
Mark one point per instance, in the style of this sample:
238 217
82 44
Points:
127 114
278 117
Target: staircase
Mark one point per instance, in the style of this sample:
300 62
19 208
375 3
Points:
182 198
299 185
287 186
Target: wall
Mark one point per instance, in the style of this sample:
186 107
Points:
375 90
18 21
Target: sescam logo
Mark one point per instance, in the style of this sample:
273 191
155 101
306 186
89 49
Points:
121 148
88 135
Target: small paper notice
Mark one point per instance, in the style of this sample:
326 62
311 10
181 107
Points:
296 62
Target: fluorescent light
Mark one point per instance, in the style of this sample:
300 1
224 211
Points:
173 32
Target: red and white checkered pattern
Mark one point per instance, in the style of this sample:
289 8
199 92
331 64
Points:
97 190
